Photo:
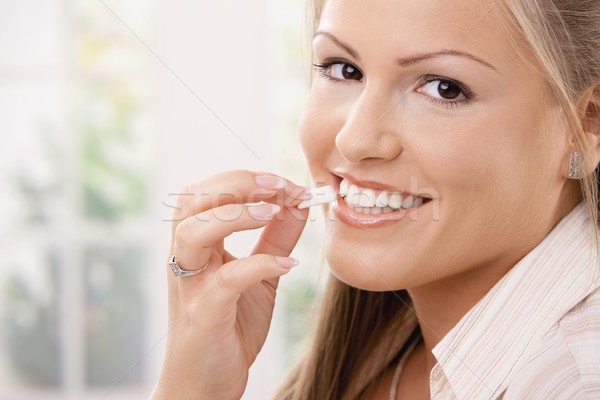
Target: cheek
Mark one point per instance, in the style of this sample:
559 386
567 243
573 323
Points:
460 158
479 155
490 171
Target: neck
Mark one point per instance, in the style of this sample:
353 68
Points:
439 306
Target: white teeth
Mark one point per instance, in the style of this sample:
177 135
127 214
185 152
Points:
367 198
372 210
382 200
407 202
364 201
352 192
395 201
344 187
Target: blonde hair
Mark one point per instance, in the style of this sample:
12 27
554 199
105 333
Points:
564 38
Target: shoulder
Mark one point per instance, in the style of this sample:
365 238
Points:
565 364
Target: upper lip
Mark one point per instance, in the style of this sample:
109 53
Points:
371 184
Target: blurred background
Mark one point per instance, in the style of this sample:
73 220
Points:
107 108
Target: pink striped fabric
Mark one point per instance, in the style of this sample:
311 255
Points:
536 334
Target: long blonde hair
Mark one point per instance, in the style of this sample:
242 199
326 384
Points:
564 37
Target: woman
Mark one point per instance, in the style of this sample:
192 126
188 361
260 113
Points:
463 139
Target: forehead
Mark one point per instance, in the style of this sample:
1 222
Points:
416 25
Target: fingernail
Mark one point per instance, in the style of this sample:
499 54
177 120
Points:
270 182
287 262
262 211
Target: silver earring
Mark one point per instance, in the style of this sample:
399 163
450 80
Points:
575 167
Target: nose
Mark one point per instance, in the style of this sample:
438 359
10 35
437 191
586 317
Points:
370 129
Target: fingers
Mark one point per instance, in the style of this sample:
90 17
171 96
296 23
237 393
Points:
236 186
195 237
212 209
281 235
235 277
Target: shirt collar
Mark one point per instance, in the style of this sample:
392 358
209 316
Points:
480 355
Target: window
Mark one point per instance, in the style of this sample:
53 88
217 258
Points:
108 107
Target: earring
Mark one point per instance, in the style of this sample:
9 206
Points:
575 168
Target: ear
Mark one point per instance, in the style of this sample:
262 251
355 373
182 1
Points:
589 109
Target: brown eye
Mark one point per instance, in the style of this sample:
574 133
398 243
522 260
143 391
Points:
448 90
345 71
349 72
444 91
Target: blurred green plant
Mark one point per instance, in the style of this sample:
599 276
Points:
30 329
114 315
114 187
40 180
299 305
107 187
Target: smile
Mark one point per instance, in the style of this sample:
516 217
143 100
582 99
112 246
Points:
370 201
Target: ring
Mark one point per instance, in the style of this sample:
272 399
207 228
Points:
178 271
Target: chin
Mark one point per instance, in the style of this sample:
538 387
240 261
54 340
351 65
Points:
358 275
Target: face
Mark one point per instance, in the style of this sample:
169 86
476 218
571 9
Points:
429 100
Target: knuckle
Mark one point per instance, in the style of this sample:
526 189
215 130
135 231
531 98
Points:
238 175
275 247
185 199
184 233
241 177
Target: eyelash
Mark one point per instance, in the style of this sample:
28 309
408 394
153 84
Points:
448 103
325 66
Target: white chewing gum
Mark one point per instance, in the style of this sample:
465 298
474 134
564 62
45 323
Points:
321 195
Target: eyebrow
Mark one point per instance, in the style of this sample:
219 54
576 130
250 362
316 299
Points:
338 43
407 61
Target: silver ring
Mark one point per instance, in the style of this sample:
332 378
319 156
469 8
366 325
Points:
178 271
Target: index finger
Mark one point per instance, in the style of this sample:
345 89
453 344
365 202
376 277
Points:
235 186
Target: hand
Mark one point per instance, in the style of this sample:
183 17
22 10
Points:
219 318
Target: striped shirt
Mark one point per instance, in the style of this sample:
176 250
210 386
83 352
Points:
534 335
